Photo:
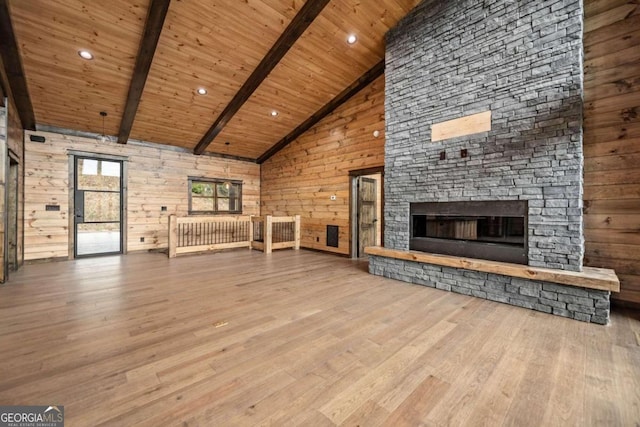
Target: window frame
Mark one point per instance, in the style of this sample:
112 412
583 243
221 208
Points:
215 181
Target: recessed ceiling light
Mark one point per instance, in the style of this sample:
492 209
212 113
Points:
274 113
202 91
85 54
352 39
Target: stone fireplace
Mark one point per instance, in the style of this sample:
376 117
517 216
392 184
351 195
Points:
521 63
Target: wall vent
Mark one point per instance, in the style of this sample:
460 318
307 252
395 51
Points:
332 236
37 138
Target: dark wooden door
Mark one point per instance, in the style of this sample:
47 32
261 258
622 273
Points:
12 216
367 209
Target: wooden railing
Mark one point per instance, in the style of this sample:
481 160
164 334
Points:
207 233
275 232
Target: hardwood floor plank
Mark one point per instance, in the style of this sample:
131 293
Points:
298 338
601 381
534 391
370 414
420 402
567 399
490 409
261 410
629 381
337 374
343 405
469 368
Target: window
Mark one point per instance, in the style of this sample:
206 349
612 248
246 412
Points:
213 196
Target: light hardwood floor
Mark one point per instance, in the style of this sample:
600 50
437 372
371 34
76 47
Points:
298 338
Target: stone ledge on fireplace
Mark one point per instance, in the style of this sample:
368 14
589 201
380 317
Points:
590 277
529 287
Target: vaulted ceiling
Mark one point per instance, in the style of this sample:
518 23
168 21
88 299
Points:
252 57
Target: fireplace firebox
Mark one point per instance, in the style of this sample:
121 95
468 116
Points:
492 230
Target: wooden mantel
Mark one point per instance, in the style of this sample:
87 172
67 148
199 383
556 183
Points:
590 277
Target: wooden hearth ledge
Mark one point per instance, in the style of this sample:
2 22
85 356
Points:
590 277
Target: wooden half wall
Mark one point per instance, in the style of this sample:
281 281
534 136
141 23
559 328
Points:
157 176
301 178
612 140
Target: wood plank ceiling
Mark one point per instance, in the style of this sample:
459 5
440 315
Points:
214 45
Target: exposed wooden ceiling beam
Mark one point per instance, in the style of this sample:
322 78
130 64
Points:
152 29
3 80
13 68
355 87
309 11
2 93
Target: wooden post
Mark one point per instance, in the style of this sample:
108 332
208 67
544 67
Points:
268 234
173 235
250 232
297 233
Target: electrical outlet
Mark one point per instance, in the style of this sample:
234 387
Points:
333 197
317 240
142 240
163 208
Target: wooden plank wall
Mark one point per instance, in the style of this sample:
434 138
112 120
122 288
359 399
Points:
156 177
302 177
612 140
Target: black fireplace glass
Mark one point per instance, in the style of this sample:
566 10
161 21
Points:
493 230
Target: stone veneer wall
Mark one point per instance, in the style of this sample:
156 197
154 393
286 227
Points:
587 305
523 61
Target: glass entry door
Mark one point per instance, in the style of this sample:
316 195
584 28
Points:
98 207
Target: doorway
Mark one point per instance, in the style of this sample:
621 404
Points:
98 207
367 204
11 262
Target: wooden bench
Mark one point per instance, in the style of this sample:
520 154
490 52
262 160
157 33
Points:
590 277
